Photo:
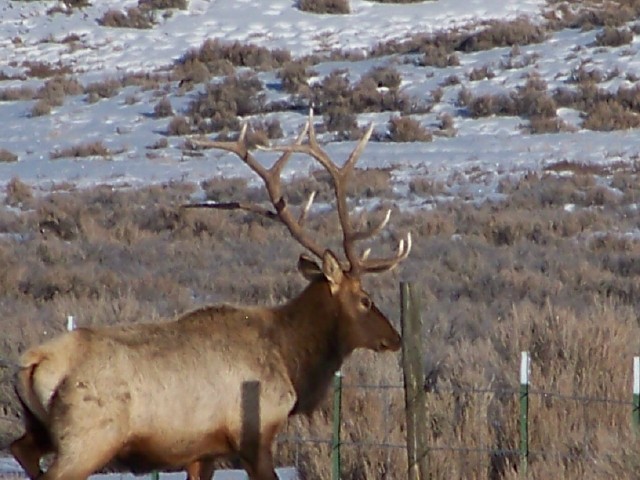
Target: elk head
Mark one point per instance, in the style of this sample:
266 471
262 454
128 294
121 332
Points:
362 324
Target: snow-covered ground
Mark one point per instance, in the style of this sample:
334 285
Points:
493 145
10 467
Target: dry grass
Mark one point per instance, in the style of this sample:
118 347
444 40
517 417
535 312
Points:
495 279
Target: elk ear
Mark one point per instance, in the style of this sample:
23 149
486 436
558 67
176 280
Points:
332 270
309 268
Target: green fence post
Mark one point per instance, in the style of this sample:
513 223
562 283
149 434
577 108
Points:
635 412
337 422
155 476
524 412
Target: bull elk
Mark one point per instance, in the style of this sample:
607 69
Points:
217 381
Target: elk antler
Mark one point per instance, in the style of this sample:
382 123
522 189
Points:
339 177
271 179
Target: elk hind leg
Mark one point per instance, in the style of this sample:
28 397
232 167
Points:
32 446
78 463
28 450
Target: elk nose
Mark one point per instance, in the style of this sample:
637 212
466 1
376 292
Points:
391 344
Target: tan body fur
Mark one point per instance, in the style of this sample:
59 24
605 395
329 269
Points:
166 396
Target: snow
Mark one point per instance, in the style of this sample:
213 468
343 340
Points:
494 145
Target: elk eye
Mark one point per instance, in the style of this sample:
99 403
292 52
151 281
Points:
366 303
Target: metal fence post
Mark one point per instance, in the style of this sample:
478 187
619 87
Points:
524 411
337 422
414 394
635 412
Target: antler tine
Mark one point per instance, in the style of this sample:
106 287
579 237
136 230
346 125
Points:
373 231
307 206
377 265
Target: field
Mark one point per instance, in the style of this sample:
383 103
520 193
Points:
508 148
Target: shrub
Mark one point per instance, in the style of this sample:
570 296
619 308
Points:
271 128
325 6
407 129
220 57
487 105
104 89
163 4
613 37
18 193
521 31
92 149
437 94
532 98
159 144
481 73
438 56
450 80
335 95
40 108
18 93
385 76
69 85
45 70
134 17
178 125
6 156
610 115
163 108
547 124
446 126
54 90
338 118
295 76
219 106
193 71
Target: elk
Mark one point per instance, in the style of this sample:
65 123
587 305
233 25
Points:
217 381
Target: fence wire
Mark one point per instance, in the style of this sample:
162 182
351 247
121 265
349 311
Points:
509 390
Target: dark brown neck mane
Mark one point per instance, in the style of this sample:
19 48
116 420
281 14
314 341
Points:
311 344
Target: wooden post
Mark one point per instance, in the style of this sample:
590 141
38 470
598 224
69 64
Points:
412 358
524 412
635 412
337 422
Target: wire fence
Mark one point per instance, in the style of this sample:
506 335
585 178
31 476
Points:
520 455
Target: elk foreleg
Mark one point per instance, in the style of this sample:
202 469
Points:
200 470
262 468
